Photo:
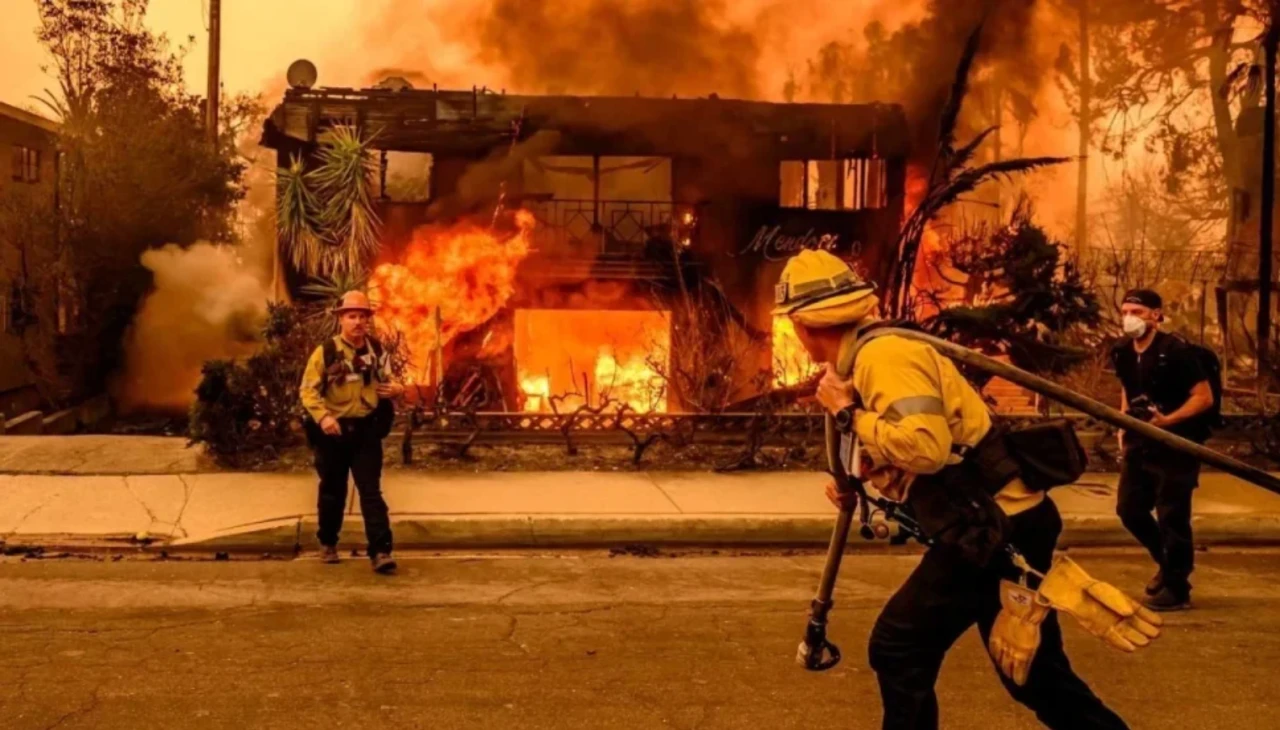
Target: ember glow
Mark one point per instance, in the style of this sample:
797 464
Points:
791 364
466 270
591 358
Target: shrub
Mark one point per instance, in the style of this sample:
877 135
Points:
248 411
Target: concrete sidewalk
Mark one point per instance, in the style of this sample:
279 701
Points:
276 512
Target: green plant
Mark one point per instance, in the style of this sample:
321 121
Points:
326 217
296 220
248 411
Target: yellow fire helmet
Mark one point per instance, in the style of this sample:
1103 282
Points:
819 290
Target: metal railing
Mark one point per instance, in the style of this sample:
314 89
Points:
609 226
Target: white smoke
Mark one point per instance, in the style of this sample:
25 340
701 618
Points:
206 304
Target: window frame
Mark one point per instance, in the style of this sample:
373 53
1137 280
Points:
846 199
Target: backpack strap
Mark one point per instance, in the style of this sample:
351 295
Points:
329 355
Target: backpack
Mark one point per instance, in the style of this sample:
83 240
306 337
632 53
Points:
1212 367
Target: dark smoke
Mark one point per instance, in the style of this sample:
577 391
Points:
915 65
649 47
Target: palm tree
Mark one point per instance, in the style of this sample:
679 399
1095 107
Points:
950 178
325 216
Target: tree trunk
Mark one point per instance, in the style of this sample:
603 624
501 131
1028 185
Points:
1082 122
1268 206
1219 57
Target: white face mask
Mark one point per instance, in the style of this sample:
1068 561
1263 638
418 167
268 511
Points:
1134 326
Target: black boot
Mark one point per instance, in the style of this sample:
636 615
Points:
1156 583
1167 600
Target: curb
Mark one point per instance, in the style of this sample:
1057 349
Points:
290 536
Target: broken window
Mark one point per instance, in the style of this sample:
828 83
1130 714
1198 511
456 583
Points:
847 184
407 176
864 184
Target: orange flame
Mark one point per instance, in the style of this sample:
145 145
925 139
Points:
466 270
591 357
924 277
791 362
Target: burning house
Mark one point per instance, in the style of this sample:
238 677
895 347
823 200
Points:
560 251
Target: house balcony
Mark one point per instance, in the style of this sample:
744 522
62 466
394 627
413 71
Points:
606 239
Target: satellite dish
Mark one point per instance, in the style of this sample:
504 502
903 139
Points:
302 74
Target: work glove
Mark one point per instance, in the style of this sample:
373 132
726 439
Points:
1099 607
1015 635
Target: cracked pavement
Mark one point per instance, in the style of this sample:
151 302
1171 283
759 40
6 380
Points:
563 640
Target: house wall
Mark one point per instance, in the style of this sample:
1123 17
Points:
26 252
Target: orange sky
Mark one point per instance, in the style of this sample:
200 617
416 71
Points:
348 39
259 40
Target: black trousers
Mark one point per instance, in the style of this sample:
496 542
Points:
1163 481
942 598
358 452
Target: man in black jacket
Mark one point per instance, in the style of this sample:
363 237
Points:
1164 384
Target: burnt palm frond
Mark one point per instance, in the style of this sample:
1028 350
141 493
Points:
962 156
329 289
970 179
959 89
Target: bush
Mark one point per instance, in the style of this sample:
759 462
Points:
248 411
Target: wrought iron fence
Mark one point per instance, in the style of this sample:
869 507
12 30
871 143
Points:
731 428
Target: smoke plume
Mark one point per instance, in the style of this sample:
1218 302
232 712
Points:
204 305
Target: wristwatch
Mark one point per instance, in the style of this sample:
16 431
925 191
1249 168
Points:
844 419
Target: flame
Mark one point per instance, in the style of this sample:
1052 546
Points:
590 358
791 362
537 391
924 278
632 382
466 270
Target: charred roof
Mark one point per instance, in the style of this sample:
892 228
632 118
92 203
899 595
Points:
476 121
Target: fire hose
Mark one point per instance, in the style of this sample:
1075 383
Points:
816 653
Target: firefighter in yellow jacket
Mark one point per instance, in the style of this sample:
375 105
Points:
912 412
347 393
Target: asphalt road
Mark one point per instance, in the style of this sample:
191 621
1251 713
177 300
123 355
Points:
561 641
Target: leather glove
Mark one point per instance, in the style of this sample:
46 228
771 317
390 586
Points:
1015 635
1100 607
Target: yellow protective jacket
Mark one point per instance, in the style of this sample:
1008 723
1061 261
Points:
347 395
915 406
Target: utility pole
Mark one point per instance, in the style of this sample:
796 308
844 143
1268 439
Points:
215 53
1082 165
1268 199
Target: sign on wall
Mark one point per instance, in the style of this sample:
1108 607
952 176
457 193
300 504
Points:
772 235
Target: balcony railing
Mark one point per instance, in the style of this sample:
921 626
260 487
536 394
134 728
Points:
609 226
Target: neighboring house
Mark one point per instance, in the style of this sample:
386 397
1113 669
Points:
28 206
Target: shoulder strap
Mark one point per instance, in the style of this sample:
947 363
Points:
330 347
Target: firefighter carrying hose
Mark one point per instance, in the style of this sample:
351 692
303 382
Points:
910 411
